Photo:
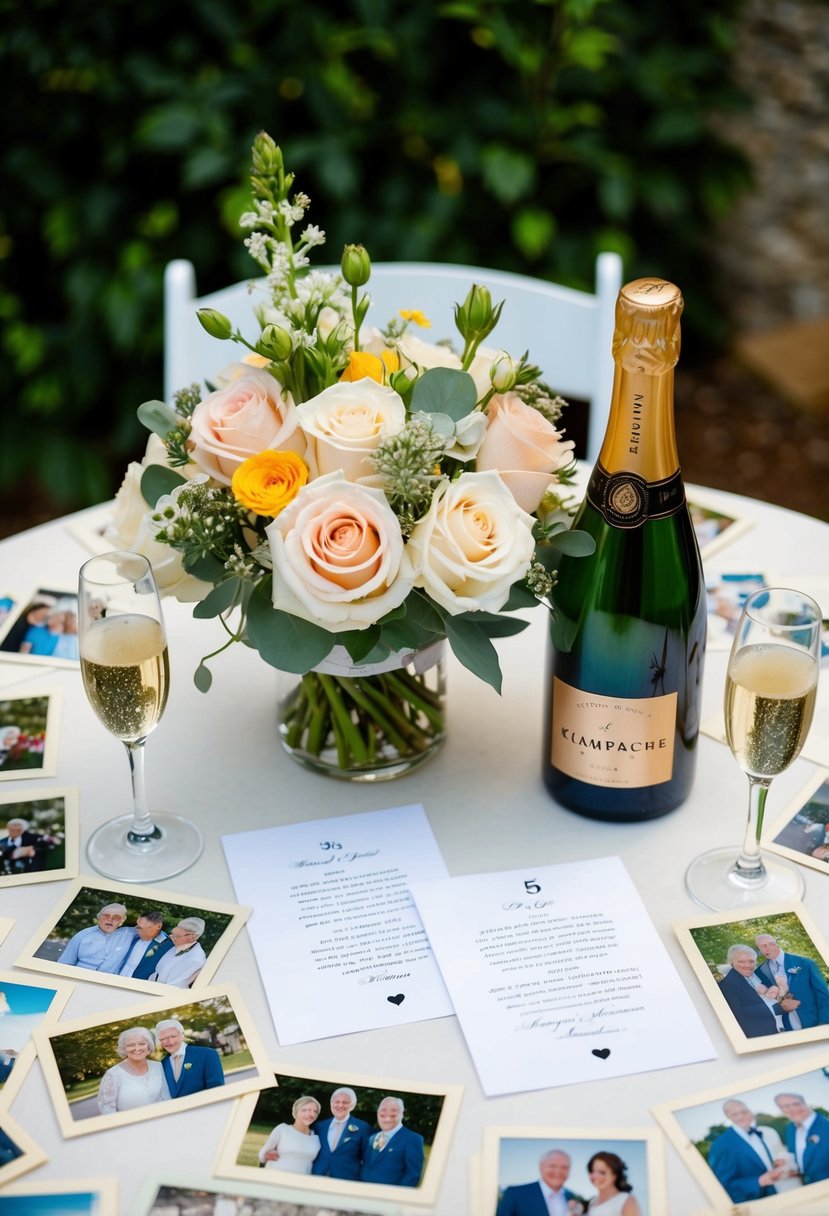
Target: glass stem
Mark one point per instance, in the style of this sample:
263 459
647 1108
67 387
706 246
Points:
142 830
749 864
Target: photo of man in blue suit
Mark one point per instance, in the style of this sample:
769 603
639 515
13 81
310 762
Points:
739 986
149 944
545 1196
395 1154
343 1139
188 1068
747 1160
803 979
807 1136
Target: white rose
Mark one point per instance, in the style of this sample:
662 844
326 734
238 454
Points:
235 371
472 545
130 506
425 354
338 555
344 424
240 420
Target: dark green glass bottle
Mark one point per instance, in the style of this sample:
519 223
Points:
625 661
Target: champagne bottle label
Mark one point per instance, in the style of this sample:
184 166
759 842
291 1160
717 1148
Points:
611 741
626 500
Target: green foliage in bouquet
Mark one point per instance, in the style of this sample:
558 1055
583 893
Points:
353 487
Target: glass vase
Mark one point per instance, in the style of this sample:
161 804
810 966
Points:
362 722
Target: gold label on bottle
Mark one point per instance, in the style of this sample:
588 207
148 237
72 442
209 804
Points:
622 742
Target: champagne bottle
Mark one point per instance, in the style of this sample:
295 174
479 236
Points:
628 635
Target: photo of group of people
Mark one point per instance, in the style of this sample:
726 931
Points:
44 629
133 937
767 976
769 1141
335 1133
103 1072
802 832
38 836
24 1005
28 735
533 1171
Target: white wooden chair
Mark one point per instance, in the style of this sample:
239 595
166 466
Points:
568 333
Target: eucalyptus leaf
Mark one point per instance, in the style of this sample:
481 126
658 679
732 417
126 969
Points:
203 678
286 642
208 568
423 612
562 632
157 480
493 624
219 599
407 635
442 424
575 543
360 642
519 597
445 390
474 650
158 417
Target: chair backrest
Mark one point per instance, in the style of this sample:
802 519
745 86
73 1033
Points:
568 333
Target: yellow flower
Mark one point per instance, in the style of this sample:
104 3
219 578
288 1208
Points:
414 314
267 482
255 360
362 365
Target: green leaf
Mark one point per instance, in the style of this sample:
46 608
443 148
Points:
575 543
208 568
562 632
444 390
494 624
202 678
218 600
158 417
407 635
474 650
286 642
360 642
422 611
157 480
519 597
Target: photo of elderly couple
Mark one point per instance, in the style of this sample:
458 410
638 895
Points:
357 1135
572 1177
769 972
134 1063
44 630
24 726
32 837
132 936
766 1141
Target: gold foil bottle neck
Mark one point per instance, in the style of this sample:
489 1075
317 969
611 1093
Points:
647 333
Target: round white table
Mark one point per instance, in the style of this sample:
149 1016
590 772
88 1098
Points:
215 757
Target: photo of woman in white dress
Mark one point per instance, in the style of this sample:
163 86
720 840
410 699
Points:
137 1080
608 1173
293 1146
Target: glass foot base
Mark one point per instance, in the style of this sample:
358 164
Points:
713 883
110 853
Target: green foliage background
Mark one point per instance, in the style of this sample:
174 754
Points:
521 134
85 907
713 940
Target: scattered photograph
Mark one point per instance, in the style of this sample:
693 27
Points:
7 604
726 595
763 1145
713 527
133 937
150 1060
89 528
370 1136
802 832
28 733
206 1197
585 1169
43 628
766 975
24 1005
72 1197
18 1152
38 836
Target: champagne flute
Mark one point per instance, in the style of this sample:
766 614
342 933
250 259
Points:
770 691
126 677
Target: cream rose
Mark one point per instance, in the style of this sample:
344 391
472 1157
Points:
344 424
426 354
472 545
245 417
523 447
338 555
235 371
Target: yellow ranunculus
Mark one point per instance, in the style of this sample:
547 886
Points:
267 482
419 318
362 366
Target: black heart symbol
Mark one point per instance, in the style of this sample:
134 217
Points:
601 1052
396 1000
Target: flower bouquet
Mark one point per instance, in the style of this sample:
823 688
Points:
348 499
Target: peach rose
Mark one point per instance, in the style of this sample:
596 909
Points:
245 417
472 545
523 447
344 424
338 555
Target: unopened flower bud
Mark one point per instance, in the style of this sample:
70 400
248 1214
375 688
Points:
477 307
267 157
275 342
502 374
355 265
216 323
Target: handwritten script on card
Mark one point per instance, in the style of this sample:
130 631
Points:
336 934
562 969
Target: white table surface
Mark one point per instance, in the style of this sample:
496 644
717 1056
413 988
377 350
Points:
216 758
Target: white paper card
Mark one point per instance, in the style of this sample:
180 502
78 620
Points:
558 975
337 937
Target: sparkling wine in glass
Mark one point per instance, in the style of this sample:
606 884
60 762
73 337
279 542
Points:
126 677
770 692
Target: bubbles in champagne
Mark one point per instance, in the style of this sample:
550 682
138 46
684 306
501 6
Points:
126 673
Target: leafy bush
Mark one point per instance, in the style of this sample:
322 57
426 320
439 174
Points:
522 134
